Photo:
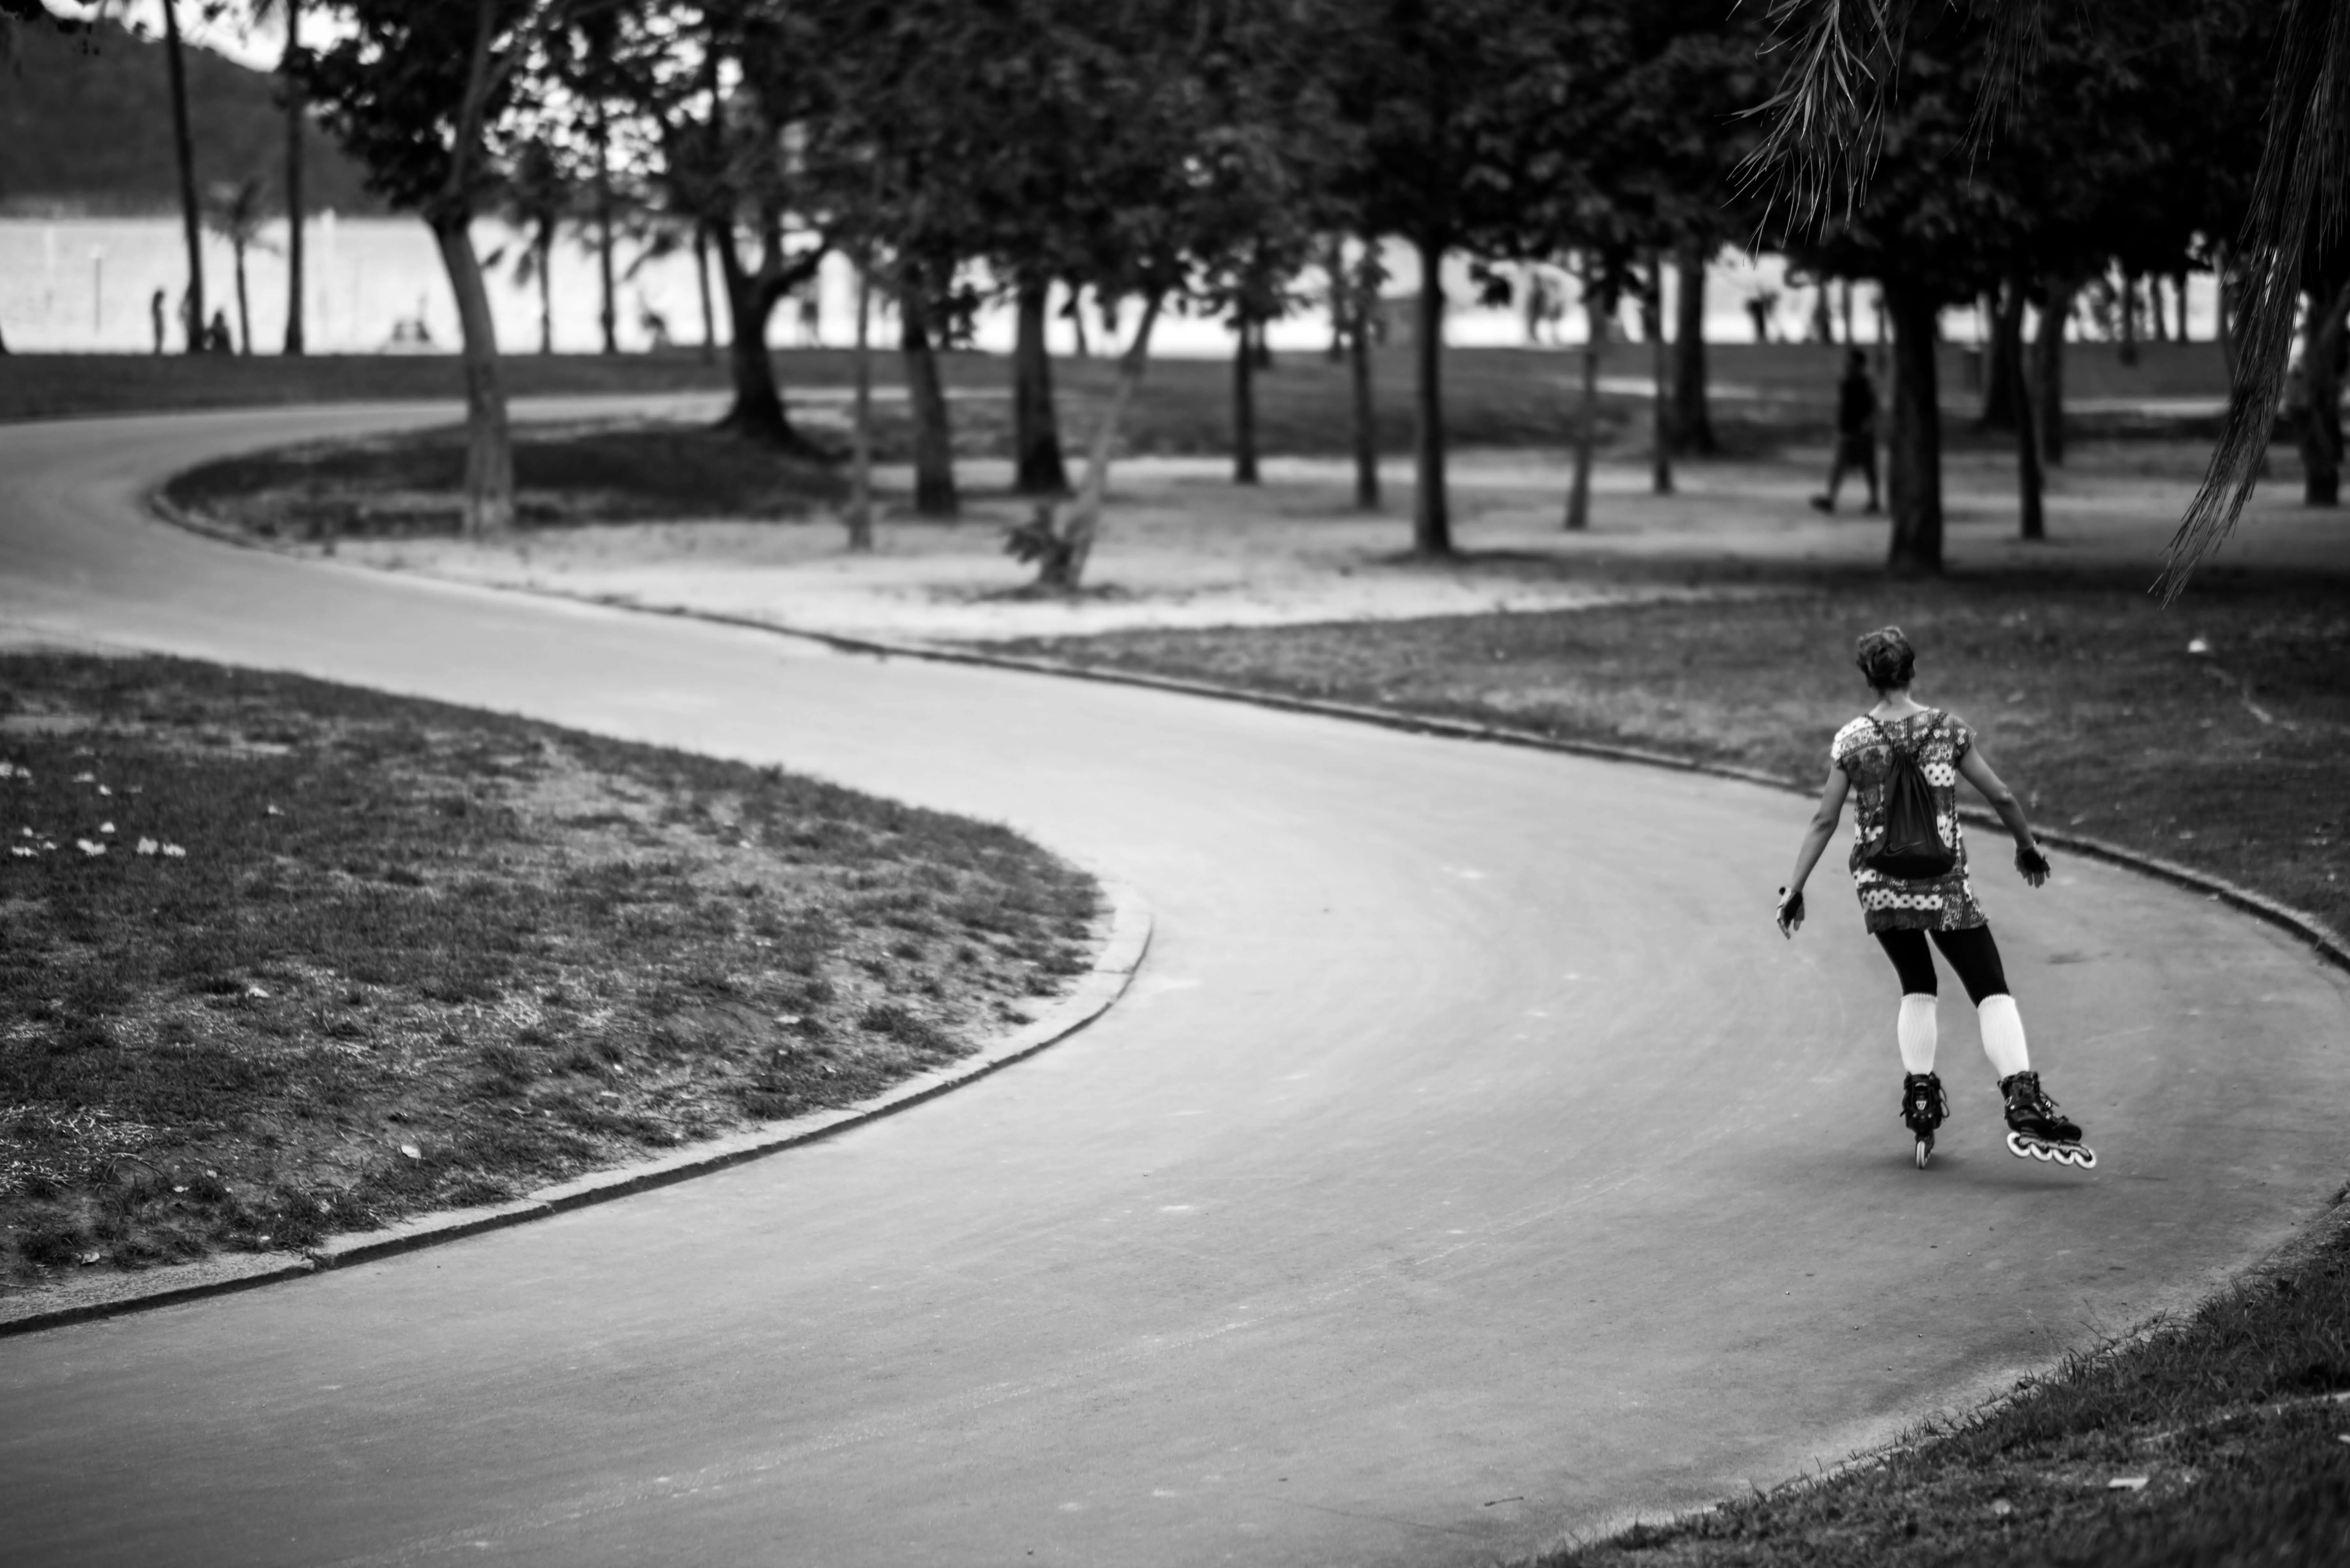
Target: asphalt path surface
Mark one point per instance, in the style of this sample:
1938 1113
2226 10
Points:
1472 1163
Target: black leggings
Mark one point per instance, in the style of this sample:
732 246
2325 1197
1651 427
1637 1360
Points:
1971 952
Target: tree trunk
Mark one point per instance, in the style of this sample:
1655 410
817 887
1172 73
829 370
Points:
489 442
757 412
1693 424
2129 318
2047 369
1036 426
1078 320
934 481
1366 428
1597 311
2179 288
1432 518
2029 479
1244 402
609 315
860 420
243 306
1660 363
2320 420
2003 361
297 117
1334 262
701 286
546 289
184 147
1084 516
1914 481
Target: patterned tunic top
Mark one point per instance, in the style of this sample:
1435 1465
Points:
1944 903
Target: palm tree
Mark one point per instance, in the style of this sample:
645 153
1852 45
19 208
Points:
183 145
236 213
537 197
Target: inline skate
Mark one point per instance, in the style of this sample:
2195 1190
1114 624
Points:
1923 1108
2037 1129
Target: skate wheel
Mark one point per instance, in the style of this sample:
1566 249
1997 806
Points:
1925 1151
2084 1158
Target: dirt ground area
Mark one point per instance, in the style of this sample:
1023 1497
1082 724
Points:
1184 547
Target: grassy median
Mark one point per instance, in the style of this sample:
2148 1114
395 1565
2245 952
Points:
2216 733
412 484
279 958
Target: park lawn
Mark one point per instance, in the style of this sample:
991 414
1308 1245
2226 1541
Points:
412 484
280 959
2088 699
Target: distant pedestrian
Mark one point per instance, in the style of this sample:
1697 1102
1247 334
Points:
216 336
1855 444
156 310
1900 763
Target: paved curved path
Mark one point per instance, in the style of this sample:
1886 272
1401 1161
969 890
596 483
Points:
1472 1163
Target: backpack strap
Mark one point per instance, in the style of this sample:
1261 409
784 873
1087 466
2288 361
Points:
1934 718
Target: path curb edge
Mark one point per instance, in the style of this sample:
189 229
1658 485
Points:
1130 925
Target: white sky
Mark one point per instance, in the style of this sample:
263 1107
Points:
257 47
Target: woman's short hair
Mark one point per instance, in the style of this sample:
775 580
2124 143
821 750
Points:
1885 656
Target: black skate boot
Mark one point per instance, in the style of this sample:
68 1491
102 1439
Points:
2037 1129
1923 1108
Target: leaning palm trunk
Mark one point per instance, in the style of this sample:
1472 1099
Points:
489 440
1084 515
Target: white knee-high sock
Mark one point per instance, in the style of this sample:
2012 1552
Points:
2002 1035
1917 1033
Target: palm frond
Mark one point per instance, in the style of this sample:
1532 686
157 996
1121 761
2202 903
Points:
1824 125
2295 216
2017 41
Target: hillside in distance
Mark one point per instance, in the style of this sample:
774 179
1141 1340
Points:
85 129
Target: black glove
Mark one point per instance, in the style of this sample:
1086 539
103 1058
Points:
2029 861
1791 909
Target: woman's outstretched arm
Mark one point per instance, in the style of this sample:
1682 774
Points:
1807 854
2028 858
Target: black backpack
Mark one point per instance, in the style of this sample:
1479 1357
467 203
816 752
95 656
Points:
1912 849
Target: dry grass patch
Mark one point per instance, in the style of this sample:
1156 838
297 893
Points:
409 956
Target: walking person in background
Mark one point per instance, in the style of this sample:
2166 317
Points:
1901 762
155 304
1856 446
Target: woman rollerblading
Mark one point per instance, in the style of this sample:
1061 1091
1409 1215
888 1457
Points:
1899 763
